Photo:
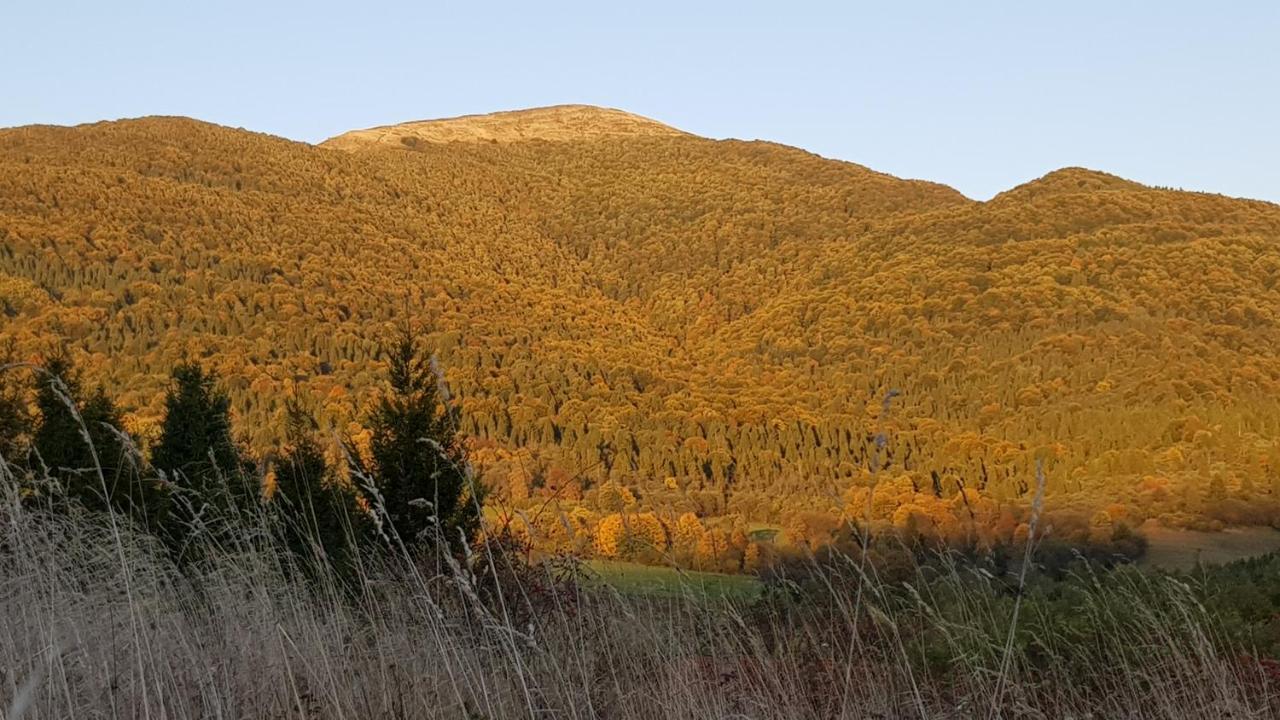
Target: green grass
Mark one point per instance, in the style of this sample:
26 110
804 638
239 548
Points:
1174 549
631 578
763 532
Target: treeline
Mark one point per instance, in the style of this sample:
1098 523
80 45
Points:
411 477
198 487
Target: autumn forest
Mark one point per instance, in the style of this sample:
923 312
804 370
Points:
715 345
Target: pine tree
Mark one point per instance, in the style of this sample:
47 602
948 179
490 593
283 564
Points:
209 472
420 465
60 435
318 518
15 420
14 424
99 472
60 448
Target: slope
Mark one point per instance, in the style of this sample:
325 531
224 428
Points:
711 324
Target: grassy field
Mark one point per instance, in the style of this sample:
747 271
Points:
96 622
636 579
1174 549
1168 549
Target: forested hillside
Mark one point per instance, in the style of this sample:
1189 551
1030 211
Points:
644 324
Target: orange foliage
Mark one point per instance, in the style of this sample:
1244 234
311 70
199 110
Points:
695 325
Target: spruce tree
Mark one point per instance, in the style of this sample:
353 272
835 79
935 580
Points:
419 462
15 420
59 446
130 488
99 472
15 426
210 474
318 518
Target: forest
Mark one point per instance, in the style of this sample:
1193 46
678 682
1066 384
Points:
723 344
190 577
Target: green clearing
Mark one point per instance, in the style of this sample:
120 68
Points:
1168 549
1173 549
635 579
763 532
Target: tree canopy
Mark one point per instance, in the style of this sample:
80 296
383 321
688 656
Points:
710 324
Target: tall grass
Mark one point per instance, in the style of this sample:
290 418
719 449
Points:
96 621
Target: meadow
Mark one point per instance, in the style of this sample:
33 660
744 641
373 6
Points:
636 579
1184 549
99 622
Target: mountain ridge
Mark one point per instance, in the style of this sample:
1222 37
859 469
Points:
722 316
531 124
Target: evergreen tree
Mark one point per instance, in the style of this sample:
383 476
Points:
59 446
211 476
420 465
319 519
130 488
59 438
15 420
98 472
15 425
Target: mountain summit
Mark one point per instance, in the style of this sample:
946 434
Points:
1070 181
555 123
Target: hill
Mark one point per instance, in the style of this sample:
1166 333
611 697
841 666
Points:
708 325
563 123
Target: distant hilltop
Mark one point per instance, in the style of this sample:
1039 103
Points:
555 123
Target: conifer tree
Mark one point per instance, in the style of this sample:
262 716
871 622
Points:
319 519
420 465
77 442
15 425
15 420
59 438
208 470
59 446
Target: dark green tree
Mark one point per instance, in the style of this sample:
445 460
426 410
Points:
60 435
78 441
212 479
318 518
15 419
419 463
58 443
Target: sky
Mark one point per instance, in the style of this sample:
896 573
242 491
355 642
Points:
979 95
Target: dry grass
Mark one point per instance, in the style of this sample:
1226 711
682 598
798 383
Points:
98 623
556 123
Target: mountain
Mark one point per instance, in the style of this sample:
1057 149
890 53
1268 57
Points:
712 324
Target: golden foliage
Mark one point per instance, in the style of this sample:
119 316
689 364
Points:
631 537
707 326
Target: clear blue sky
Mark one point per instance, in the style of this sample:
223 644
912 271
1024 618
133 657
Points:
979 95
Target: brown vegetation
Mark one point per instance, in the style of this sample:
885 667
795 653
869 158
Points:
94 621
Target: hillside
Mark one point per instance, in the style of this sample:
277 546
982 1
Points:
708 324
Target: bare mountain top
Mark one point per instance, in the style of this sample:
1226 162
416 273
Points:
558 122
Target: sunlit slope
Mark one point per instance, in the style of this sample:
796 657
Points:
573 123
710 322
